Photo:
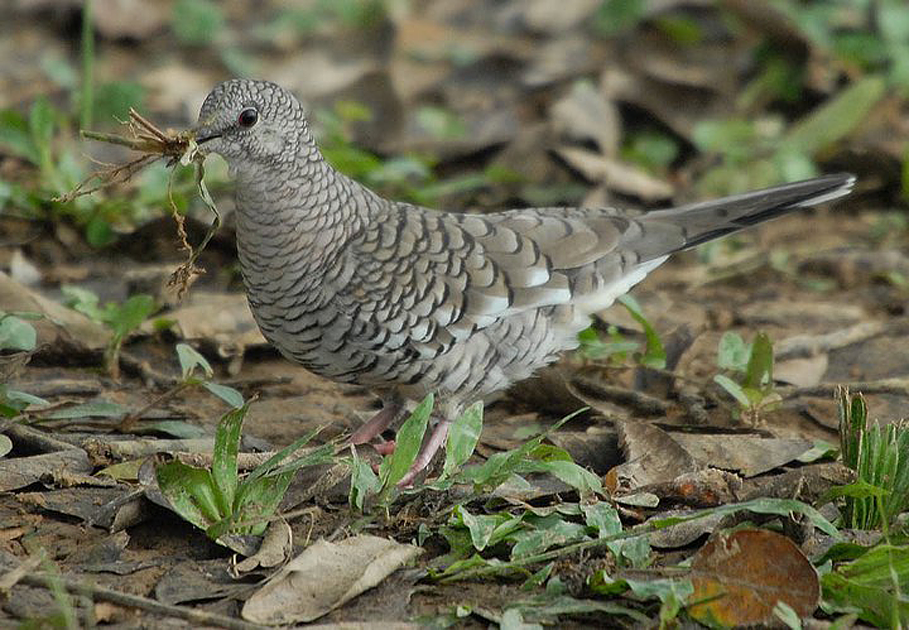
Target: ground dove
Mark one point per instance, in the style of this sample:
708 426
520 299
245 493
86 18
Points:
406 300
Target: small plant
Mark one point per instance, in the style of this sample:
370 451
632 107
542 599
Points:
752 364
593 348
191 363
880 457
122 319
531 457
221 501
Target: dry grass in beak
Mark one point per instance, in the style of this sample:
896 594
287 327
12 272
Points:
154 144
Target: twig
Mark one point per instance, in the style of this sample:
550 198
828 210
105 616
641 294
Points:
893 386
129 420
193 615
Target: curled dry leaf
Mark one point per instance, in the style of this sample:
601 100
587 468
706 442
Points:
739 577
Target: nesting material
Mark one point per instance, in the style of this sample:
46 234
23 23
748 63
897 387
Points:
154 144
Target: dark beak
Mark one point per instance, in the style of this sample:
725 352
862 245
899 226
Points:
205 132
204 135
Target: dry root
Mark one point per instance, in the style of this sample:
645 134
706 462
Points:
154 144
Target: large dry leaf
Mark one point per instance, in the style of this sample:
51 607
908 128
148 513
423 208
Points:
18 472
325 576
652 457
748 454
583 114
744 574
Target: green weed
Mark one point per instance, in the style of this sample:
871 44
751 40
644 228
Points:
752 366
122 319
617 348
16 335
880 457
219 500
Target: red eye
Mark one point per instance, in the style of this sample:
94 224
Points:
248 117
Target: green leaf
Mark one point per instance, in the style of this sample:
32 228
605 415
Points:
550 532
853 424
15 136
275 463
876 584
190 491
224 472
500 466
130 315
41 123
84 301
733 389
603 583
228 394
113 100
736 139
779 507
440 122
260 500
481 527
407 445
578 477
190 359
654 355
837 118
463 437
363 481
602 517
23 397
616 16
732 352
634 551
16 334
759 371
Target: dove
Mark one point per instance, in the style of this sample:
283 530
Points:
407 300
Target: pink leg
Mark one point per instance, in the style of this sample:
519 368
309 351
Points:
436 440
375 425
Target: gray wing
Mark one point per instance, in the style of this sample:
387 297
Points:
425 279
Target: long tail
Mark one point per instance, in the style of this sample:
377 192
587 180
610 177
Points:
702 222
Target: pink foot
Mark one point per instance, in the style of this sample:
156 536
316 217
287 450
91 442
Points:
375 425
436 440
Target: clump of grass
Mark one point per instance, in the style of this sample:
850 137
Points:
880 457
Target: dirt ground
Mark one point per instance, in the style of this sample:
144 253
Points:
533 90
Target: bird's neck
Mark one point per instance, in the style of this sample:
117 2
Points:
302 211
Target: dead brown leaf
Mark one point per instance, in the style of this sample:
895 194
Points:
739 577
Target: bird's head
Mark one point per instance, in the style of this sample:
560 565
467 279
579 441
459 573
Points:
252 124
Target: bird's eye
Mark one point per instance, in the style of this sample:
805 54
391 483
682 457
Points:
248 117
